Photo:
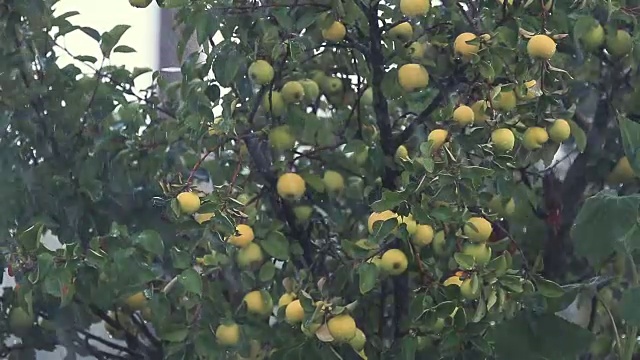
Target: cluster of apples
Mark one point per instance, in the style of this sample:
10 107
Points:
541 47
476 232
341 327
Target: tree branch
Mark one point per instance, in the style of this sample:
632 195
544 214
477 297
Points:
381 110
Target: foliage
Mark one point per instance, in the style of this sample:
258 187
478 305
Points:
111 170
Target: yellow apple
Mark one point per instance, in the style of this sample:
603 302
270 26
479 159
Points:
541 47
342 328
505 100
394 262
257 303
189 202
414 7
291 186
478 229
534 137
463 115
244 236
249 256
294 313
380 216
335 33
503 139
413 77
480 111
423 235
464 49
228 334
402 31
559 131
416 50
438 137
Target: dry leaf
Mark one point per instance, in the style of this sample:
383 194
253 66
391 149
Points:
323 334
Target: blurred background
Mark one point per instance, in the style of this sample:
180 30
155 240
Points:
145 36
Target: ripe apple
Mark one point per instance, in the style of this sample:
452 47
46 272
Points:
394 262
261 72
292 92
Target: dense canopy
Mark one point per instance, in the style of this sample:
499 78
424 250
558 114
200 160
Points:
326 180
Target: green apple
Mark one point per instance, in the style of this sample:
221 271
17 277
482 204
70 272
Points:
367 97
311 89
140 3
594 38
332 85
479 251
280 138
261 72
292 92
250 255
619 44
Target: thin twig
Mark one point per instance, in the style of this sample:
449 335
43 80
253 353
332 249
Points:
525 264
170 285
613 322
234 177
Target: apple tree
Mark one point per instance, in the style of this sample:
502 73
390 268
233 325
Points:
328 179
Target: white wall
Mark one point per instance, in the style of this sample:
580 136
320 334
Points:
103 15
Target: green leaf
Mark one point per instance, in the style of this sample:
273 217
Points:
283 19
486 70
175 335
86 58
527 337
630 310
606 223
512 282
482 344
45 264
267 272
151 241
630 133
389 200
427 163
180 259
578 135
408 348
169 4
383 228
191 281
110 39
276 245
498 265
465 262
93 33
30 238
123 49
368 276
548 288
314 181
203 345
